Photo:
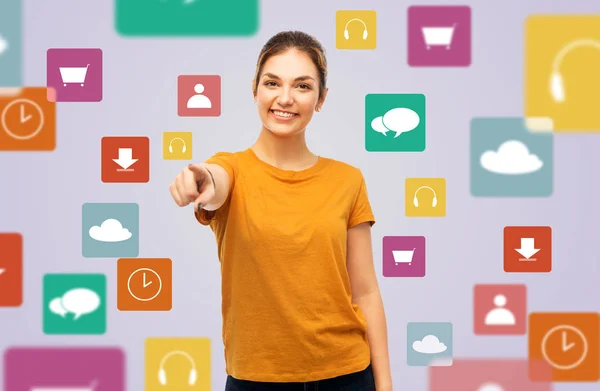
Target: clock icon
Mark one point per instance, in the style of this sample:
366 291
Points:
144 284
22 119
564 347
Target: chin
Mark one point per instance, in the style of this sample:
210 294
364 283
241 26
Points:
285 130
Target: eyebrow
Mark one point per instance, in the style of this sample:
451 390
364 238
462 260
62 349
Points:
299 78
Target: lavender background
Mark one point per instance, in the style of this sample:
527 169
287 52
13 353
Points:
42 193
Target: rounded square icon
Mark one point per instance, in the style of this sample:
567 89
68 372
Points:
569 342
49 368
500 309
178 362
110 230
11 269
356 29
425 197
439 36
527 249
395 122
199 95
75 74
508 160
429 344
404 256
74 304
125 160
144 284
177 145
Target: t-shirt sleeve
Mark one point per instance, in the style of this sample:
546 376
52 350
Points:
361 209
228 161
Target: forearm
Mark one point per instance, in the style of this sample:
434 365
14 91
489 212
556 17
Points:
371 306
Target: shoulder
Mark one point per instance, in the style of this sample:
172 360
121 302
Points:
351 175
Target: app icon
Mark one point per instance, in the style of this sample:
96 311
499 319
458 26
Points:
485 374
395 122
356 29
144 284
439 36
429 344
404 256
568 342
27 120
11 53
125 159
75 74
11 269
561 73
110 230
141 18
527 249
500 309
199 95
173 363
65 369
74 304
177 145
425 197
508 160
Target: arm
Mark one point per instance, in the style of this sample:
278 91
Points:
365 293
221 180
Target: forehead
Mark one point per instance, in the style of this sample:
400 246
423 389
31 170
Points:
291 63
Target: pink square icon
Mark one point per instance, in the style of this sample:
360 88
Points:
199 95
74 75
500 309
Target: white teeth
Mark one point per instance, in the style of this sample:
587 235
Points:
282 114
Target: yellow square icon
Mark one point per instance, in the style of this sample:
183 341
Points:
355 29
177 145
174 364
425 197
562 84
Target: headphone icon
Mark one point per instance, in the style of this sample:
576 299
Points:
162 374
557 87
347 34
171 145
416 201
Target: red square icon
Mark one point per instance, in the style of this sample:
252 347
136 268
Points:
125 159
527 249
11 270
500 309
199 95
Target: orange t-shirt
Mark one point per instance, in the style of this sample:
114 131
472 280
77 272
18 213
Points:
287 304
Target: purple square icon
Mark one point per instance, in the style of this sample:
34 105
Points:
74 75
404 256
64 368
439 36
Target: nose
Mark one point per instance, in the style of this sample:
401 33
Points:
285 97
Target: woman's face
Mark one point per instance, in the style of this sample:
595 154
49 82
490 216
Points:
288 93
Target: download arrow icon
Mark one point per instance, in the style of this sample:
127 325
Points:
125 160
527 249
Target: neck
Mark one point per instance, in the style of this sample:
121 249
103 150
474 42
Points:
284 152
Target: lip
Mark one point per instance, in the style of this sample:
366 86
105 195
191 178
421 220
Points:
282 118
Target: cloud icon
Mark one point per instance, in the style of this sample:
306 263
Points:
512 158
3 44
429 345
111 230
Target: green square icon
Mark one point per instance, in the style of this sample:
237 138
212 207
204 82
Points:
395 122
186 17
74 304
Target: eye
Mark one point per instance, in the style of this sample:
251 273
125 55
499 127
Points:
270 83
304 86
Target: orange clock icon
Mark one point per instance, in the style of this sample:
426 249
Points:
144 284
22 119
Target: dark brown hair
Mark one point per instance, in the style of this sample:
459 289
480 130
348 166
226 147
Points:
301 41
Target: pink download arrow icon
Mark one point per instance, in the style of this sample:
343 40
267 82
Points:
527 249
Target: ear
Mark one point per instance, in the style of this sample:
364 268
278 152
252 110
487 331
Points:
252 89
322 100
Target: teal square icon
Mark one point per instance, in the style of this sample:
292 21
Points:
429 344
11 42
155 18
74 304
110 230
395 123
510 160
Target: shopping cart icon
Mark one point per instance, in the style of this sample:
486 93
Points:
438 36
73 75
403 256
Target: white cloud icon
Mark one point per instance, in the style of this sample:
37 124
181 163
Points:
111 230
430 344
3 44
512 158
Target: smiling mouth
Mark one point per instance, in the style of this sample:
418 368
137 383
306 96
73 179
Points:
283 114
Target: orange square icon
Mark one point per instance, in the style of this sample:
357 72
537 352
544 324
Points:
569 342
27 119
11 270
527 249
125 159
144 284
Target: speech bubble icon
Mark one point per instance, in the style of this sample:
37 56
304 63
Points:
378 126
80 301
401 120
56 307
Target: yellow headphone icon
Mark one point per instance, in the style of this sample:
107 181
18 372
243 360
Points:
416 200
347 34
183 149
557 87
162 374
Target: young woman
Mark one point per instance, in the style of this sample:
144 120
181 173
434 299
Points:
300 300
